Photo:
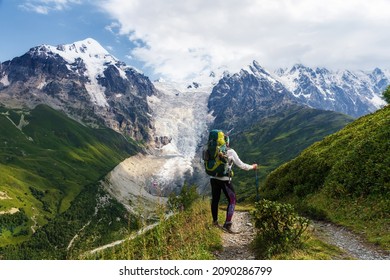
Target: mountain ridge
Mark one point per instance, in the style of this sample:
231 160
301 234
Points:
354 93
83 80
257 92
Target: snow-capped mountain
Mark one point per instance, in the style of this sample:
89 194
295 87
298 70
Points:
85 81
240 99
354 93
91 85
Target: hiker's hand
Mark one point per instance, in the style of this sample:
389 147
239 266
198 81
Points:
254 166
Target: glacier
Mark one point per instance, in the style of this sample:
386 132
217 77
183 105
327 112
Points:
180 116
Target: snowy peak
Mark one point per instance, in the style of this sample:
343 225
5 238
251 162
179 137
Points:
84 80
257 69
256 91
380 78
252 92
88 50
355 93
262 74
89 58
88 46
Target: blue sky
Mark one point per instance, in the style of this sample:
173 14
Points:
23 28
182 39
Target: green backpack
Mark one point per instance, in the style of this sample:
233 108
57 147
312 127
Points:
214 156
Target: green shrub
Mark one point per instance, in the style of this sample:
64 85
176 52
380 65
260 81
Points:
188 194
279 228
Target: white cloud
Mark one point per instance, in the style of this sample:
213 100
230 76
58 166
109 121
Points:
46 6
178 39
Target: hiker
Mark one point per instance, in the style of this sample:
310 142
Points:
222 182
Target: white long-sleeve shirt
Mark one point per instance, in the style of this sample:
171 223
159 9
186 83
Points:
233 158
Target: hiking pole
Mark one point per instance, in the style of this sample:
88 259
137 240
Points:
257 185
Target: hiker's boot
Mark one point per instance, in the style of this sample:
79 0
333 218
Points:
228 227
215 223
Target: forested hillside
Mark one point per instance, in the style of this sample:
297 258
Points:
46 160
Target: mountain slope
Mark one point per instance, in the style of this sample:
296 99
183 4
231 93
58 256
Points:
83 80
46 159
241 99
345 177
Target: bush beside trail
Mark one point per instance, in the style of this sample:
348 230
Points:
280 229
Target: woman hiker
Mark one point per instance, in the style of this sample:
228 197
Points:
224 184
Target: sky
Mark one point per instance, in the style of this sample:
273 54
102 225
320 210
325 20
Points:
180 40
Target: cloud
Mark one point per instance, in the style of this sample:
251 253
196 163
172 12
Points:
46 6
181 39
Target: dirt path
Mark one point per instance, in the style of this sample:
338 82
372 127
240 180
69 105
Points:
237 246
349 242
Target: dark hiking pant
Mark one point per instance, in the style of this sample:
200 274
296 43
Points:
227 188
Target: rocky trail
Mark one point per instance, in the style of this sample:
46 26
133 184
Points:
237 246
351 243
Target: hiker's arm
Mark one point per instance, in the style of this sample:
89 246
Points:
237 161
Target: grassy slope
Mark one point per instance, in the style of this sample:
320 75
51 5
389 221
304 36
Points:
187 235
47 163
344 178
